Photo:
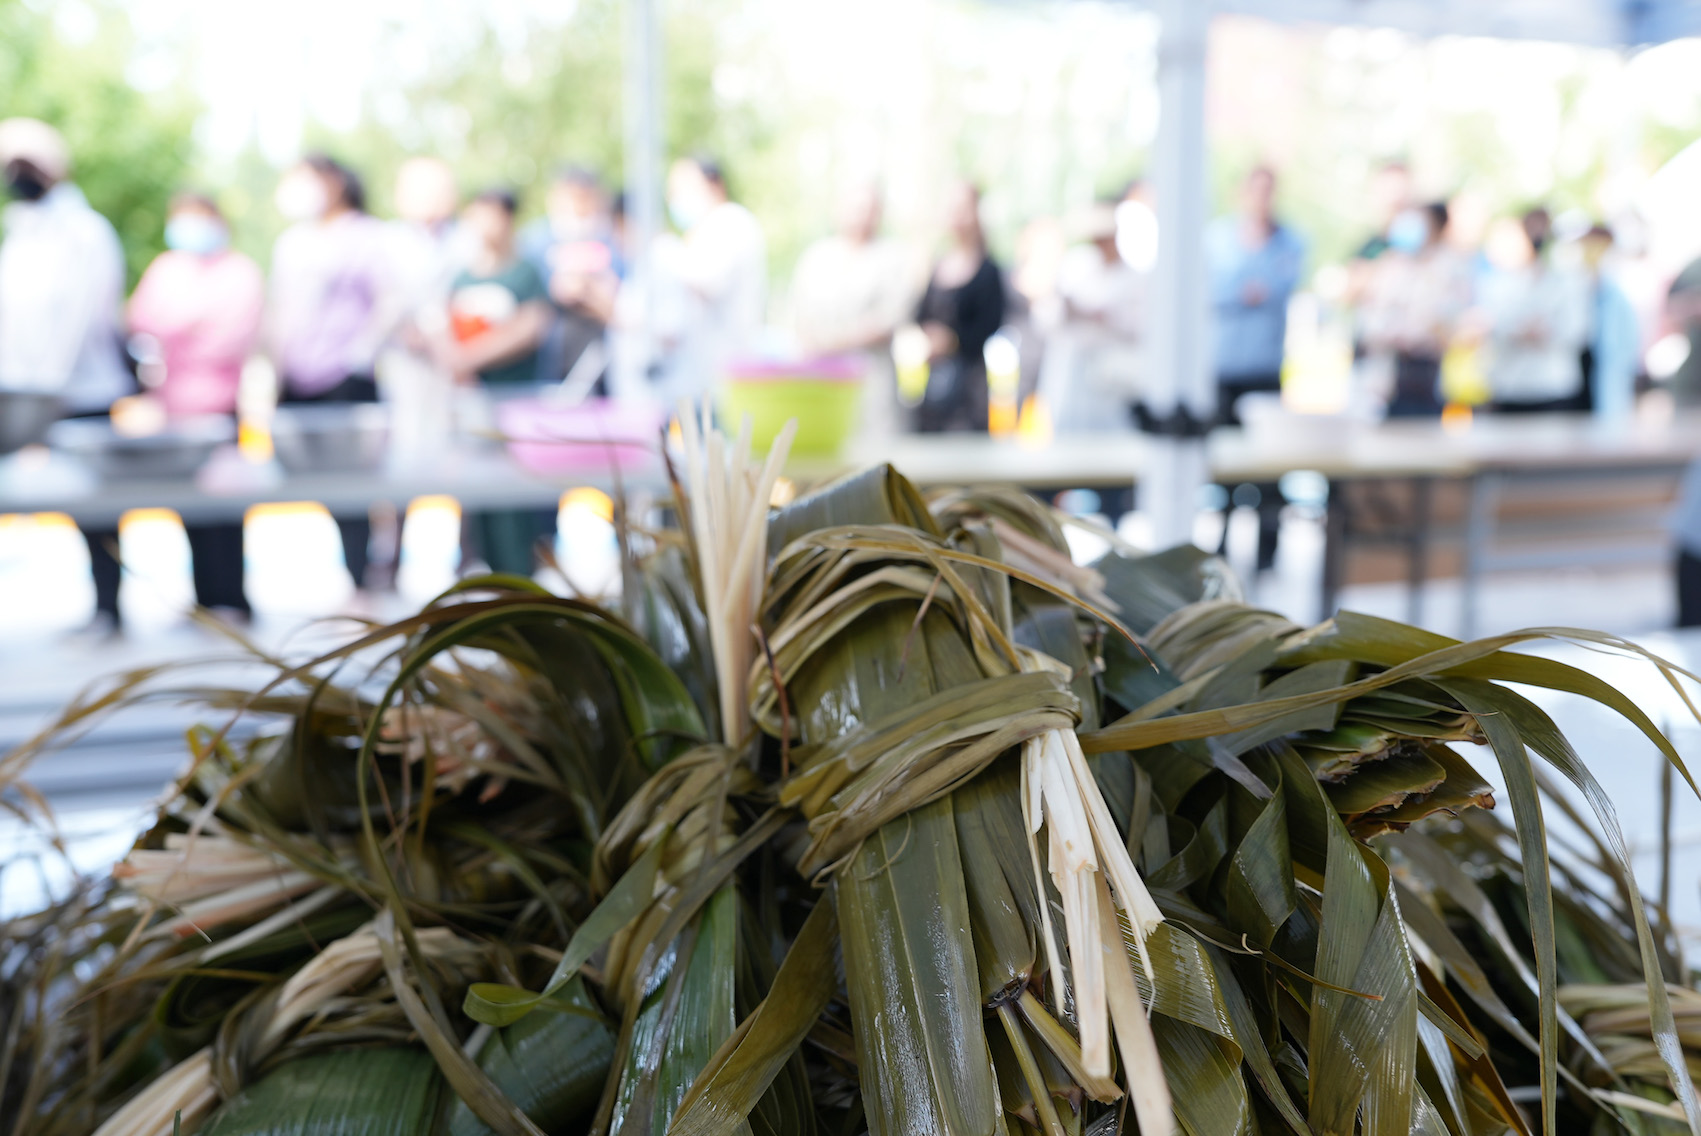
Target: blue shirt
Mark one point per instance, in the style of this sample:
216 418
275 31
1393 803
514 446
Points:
1617 343
1248 337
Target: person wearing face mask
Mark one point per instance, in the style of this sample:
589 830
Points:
333 303
61 291
499 314
61 278
572 247
719 264
1420 290
201 301
1538 318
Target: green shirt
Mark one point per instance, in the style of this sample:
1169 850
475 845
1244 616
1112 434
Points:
480 302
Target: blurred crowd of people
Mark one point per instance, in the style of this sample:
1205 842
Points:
454 288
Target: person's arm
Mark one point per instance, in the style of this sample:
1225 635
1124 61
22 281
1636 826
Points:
1225 268
506 342
149 311
277 322
390 296
233 327
1285 264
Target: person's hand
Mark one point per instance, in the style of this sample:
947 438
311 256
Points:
569 289
412 339
451 357
941 340
1253 293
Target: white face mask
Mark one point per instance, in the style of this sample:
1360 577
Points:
300 197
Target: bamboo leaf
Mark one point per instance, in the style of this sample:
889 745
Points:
914 992
498 1005
551 1063
359 1092
1520 780
733 1082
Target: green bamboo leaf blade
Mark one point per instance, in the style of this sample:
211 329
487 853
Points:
998 878
912 981
1389 1094
1509 751
1259 886
1446 877
1539 732
1148 589
1187 987
1132 679
1351 920
1438 1077
1387 782
1324 675
551 1063
358 1092
1204 1078
1218 636
873 496
498 1005
1461 787
1201 850
1481 659
1250 1036
733 1082
679 1031
1052 627
1392 644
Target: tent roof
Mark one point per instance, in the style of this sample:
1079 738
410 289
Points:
1600 22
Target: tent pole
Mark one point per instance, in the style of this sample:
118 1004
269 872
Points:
643 151
1181 388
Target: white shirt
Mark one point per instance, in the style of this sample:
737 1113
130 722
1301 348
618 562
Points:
850 296
1091 370
846 294
1553 301
61 295
721 267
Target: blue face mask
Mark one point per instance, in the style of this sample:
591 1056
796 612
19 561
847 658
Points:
195 233
1409 232
685 211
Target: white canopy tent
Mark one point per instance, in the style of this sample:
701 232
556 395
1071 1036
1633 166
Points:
1183 394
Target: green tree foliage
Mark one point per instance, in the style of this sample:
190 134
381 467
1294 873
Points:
130 149
506 113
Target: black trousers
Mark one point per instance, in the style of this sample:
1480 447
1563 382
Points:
215 562
1270 499
1417 387
215 555
355 529
1688 589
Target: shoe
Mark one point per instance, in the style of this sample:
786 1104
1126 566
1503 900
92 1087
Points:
102 628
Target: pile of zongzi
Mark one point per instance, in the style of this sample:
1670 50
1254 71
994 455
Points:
875 813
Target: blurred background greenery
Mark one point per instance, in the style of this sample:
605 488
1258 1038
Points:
1047 103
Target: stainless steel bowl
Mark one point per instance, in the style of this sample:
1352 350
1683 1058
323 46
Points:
175 452
331 437
25 417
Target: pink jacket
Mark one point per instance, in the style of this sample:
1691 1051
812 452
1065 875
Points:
205 312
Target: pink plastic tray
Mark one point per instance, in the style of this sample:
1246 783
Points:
596 434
